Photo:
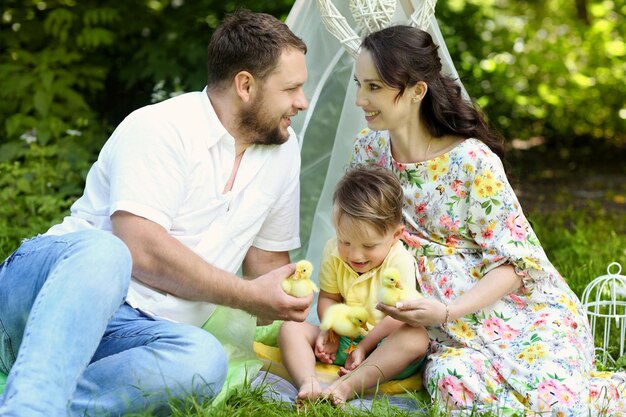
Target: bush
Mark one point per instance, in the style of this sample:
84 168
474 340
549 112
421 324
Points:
37 190
69 72
542 68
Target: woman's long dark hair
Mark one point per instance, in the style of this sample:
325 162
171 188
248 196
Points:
404 55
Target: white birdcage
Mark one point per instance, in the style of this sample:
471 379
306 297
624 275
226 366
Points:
604 300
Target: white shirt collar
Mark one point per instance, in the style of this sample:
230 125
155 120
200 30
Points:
218 131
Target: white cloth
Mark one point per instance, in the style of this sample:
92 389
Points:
168 163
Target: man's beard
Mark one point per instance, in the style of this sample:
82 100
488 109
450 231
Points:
259 126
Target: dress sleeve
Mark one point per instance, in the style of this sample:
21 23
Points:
497 224
362 151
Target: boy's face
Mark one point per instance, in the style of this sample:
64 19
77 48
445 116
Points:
363 247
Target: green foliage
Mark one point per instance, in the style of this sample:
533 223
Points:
50 133
542 68
621 363
69 71
37 189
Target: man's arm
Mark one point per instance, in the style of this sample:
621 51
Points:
162 262
259 262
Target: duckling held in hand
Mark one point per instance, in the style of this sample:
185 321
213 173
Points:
299 284
392 290
345 320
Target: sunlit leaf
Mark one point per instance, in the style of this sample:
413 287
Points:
582 80
616 48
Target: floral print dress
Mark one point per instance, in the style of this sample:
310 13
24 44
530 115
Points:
531 352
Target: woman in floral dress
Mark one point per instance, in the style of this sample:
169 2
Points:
507 332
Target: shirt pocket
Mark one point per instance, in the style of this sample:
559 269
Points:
248 216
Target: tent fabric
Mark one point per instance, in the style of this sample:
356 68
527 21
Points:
326 130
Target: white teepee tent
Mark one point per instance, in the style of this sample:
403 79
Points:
327 129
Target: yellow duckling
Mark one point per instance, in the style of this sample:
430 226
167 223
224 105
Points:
392 290
344 320
299 284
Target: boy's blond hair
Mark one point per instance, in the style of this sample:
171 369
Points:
370 194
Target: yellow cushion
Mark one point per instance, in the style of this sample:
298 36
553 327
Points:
272 362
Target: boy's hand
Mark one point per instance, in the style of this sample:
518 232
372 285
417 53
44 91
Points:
325 349
353 360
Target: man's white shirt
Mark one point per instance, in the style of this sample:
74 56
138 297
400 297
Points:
169 163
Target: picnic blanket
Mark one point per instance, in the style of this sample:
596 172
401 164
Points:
266 349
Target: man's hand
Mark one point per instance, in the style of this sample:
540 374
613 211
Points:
269 301
162 262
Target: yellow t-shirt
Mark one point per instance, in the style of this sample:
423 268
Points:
336 277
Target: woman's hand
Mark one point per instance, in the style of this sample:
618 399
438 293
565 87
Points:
421 312
494 285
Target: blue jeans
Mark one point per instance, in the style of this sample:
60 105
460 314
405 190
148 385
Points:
72 347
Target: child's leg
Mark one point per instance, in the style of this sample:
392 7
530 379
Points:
400 348
296 342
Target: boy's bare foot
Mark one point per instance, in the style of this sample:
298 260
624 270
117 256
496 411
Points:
339 392
310 391
336 401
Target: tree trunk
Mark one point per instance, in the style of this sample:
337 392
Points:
581 11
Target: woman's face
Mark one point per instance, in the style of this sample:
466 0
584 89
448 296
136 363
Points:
378 101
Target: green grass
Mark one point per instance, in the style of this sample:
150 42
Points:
582 241
251 402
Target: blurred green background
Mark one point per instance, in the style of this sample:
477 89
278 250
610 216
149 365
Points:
548 73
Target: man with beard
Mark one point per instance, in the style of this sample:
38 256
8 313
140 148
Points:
183 194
